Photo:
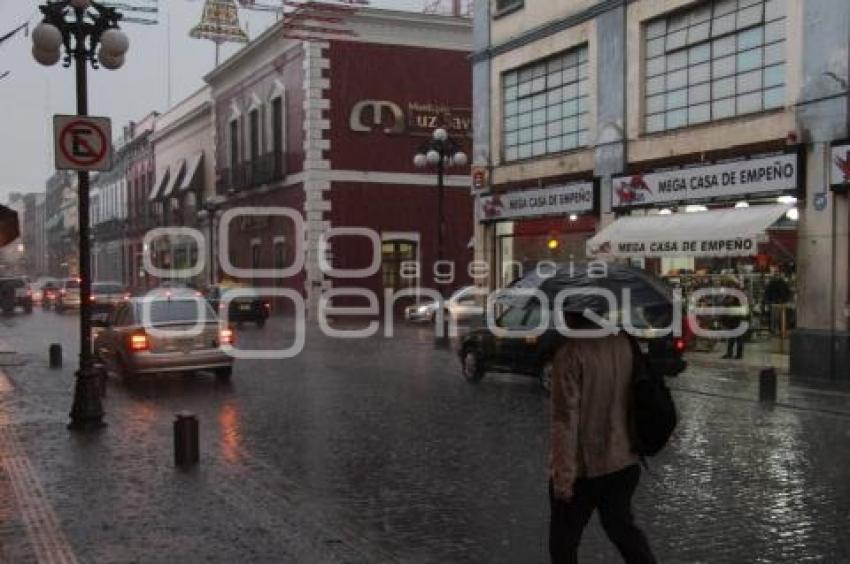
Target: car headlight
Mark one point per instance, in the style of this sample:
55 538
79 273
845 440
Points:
423 309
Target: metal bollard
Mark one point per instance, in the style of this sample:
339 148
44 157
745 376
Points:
186 447
767 385
55 355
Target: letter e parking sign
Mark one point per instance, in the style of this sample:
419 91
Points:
82 143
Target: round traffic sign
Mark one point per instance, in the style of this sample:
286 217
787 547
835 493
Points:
83 143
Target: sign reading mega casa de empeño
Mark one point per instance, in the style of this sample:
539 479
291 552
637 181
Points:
555 200
776 174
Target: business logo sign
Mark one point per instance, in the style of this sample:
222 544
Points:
555 200
369 115
778 174
839 178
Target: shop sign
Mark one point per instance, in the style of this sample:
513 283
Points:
479 178
730 181
840 170
720 246
420 118
555 200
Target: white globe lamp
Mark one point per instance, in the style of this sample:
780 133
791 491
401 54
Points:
110 62
46 58
433 157
46 37
420 160
114 43
440 134
460 159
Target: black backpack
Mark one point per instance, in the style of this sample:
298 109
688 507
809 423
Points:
653 412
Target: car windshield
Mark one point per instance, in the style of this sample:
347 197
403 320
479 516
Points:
170 311
106 288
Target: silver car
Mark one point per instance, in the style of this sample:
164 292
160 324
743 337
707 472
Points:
164 333
68 295
462 305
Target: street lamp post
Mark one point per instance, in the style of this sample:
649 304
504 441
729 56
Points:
81 26
441 151
208 211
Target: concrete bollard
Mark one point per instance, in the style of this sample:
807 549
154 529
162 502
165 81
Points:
767 385
186 445
55 355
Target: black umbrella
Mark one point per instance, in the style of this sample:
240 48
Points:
644 290
10 228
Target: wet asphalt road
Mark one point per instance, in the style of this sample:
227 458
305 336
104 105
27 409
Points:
376 451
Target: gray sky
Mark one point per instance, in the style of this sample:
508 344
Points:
31 94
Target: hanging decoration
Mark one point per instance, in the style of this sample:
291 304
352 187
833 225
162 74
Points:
319 20
220 23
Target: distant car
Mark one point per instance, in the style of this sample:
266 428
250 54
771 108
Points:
130 341
251 308
15 291
106 295
68 295
482 351
462 305
49 293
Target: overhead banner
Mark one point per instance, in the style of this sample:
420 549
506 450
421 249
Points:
839 178
778 174
555 200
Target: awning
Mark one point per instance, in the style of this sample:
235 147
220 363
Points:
193 174
177 173
726 232
158 188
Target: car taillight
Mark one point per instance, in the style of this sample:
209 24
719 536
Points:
267 305
680 344
139 342
226 336
92 298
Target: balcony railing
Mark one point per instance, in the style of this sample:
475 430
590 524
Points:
265 169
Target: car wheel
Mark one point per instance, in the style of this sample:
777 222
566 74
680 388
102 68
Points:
545 376
472 369
224 373
261 323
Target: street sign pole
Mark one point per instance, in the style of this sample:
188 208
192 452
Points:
87 409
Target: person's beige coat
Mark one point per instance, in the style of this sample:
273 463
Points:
590 411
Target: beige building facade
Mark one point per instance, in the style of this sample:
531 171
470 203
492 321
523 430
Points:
667 107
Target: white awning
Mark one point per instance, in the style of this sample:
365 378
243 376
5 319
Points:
194 171
726 232
159 186
177 172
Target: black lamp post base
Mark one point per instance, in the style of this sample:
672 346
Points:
442 341
87 411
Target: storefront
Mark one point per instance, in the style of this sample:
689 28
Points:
715 224
552 223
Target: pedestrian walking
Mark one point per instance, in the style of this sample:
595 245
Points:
593 461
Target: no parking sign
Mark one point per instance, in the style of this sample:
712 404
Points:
82 143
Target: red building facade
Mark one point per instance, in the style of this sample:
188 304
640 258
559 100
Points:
329 129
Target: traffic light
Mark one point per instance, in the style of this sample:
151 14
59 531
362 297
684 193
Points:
553 243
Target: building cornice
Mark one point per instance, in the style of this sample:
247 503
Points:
547 30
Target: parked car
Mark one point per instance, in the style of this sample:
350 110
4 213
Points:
251 308
462 305
15 291
68 296
106 295
38 290
130 341
482 351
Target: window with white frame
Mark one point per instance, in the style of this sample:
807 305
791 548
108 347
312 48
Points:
721 59
546 106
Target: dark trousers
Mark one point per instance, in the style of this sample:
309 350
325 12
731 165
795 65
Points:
612 496
737 342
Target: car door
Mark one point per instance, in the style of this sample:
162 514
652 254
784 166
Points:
111 340
506 346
